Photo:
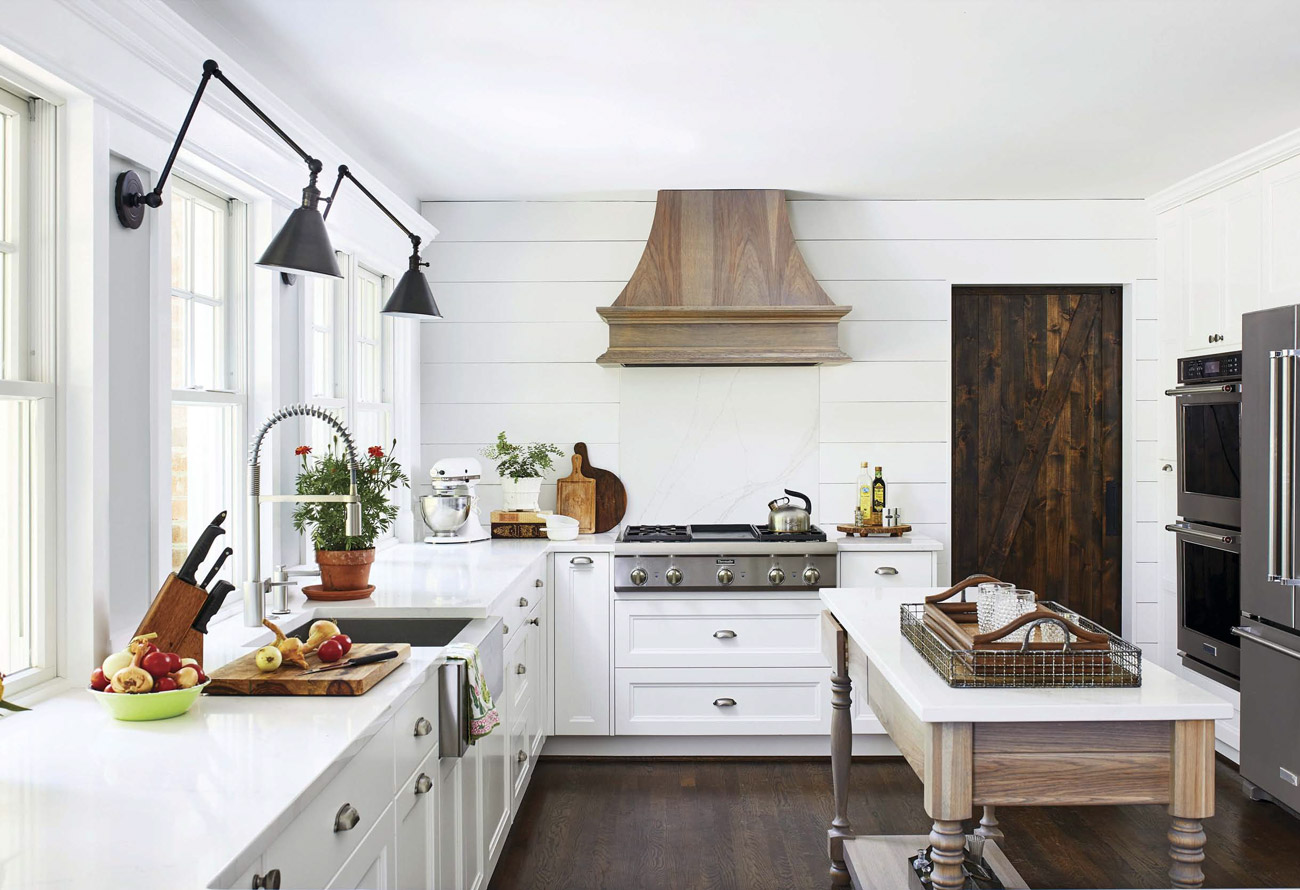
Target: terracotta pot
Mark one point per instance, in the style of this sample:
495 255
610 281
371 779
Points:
345 569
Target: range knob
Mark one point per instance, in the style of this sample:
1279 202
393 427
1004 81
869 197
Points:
725 576
776 576
811 576
639 576
673 576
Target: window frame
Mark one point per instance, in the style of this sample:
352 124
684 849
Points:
28 303
232 389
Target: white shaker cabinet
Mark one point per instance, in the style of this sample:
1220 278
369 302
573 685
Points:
417 815
581 679
1281 187
370 867
1222 264
888 568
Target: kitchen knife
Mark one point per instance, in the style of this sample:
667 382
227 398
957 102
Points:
212 605
357 662
216 567
199 551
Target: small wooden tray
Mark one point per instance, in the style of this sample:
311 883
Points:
862 531
241 676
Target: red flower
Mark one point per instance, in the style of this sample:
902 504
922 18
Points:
302 449
375 451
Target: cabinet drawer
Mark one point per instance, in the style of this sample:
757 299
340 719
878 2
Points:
722 701
519 666
521 599
885 568
415 729
717 633
366 784
416 789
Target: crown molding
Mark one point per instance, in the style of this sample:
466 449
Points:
155 37
1252 161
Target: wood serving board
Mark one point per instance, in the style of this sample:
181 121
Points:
575 496
893 531
611 496
241 676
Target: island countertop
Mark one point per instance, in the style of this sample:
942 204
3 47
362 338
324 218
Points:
870 616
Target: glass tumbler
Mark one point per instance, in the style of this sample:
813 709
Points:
1010 605
986 599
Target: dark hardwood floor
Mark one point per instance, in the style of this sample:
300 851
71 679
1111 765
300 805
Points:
752 825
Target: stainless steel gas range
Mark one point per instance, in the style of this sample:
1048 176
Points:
721 559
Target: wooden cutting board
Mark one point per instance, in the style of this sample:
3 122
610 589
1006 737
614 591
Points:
611 496
241 676
575 496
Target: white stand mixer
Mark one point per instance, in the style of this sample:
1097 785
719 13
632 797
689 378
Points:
455 480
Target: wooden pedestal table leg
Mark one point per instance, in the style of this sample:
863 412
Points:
989 829
1191 799
835 646
948 781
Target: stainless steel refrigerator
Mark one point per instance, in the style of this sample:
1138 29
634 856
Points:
1270 554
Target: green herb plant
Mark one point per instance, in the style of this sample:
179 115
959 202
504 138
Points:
377 475
525 461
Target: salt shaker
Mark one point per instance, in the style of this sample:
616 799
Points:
891 517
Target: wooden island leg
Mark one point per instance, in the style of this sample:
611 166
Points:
841 746
989 829
1191 799
948 782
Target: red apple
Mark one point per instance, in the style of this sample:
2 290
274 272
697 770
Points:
165 684
173 662
345 641
98 681
157 664
330 651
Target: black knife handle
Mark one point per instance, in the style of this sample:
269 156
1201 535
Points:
212 605
199 552
373 657
216 566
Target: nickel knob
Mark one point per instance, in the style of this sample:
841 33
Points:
673 576
725 576
811 575
639 576
776 576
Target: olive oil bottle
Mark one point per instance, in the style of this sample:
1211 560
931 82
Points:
864 492
877 498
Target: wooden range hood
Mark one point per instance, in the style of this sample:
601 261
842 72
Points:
721 282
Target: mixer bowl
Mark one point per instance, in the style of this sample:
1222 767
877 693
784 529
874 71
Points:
444 513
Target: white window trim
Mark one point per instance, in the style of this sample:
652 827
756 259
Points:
31 335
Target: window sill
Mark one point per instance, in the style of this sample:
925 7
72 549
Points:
40 692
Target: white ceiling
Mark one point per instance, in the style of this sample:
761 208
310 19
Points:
894 99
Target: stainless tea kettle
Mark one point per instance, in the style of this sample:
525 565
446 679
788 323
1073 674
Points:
785 517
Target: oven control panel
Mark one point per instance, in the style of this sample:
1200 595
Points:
1225 368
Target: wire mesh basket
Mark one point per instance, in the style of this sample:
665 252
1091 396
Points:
1120 666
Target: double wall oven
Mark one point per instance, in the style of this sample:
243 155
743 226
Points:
1208 413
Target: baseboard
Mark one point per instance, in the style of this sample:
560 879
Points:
712 746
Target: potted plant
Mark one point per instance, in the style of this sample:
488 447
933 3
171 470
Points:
345 561
520 468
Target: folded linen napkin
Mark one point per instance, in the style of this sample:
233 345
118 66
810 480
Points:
482 713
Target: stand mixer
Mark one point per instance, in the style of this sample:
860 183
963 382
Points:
451 512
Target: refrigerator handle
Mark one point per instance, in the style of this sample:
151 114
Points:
1286 509
1274 462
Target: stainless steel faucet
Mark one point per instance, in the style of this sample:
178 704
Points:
255 587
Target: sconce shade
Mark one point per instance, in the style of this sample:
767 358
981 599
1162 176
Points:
412 298
302 246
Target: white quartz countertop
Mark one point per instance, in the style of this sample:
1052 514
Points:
871 617
908 541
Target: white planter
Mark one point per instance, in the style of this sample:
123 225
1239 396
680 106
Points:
521 494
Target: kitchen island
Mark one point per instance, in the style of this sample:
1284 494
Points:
1019 747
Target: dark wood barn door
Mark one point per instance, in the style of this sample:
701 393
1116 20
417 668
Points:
1036 459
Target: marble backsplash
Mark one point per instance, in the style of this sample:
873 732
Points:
716 444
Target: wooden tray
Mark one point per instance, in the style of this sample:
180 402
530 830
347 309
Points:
241 676
863 530
611 496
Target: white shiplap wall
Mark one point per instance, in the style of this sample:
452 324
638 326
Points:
518 283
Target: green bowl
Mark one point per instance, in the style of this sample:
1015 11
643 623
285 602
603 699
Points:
149 705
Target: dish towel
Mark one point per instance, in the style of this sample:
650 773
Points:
483 715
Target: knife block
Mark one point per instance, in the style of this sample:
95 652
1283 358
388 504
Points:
171 615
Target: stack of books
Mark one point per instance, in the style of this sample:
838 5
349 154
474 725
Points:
519 524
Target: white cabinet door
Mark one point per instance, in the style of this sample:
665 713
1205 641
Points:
1242 254
417 814
246 879
370 867
1281 186
495 772
1203 308
471 818
447 827
887 568
582 669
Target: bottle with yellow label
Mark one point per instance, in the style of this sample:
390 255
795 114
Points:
864 491
877 498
